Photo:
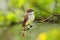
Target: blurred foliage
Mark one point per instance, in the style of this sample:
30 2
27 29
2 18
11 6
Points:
43 9
42 36
16 9
53 34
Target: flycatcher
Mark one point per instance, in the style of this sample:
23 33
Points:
28 20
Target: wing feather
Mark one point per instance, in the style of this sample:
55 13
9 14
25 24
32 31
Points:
25 19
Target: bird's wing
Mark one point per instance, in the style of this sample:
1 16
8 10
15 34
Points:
25 19
23 26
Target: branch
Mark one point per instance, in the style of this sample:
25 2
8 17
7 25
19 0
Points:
47 18
22 8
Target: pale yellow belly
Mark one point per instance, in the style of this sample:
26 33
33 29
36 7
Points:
30 21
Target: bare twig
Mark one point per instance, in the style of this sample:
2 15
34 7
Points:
22 8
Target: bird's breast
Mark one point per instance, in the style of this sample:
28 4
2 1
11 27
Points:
31 17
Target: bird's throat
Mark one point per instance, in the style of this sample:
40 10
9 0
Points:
31 13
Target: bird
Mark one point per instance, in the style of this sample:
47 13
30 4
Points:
28 20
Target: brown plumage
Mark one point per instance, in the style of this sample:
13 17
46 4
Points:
27 19
30 10
24 26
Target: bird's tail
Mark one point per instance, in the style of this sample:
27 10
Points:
23 34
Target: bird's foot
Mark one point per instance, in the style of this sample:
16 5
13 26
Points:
29 27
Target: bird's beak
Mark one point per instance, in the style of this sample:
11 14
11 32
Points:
32 10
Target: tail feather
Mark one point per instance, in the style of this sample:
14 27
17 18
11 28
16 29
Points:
23 34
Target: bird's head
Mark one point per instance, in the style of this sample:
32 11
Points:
30 11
